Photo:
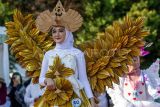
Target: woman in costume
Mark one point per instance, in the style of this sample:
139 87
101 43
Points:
62 24
139 88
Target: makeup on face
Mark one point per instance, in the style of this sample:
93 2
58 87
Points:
58 34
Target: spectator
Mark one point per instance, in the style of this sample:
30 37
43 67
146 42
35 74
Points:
33 93
138 88
16 91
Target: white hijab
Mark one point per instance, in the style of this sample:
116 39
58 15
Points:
67 43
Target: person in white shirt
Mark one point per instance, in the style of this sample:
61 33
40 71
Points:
137 89
33 93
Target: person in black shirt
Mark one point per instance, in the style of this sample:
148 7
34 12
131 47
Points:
17 91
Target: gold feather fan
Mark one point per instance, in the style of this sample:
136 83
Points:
61 96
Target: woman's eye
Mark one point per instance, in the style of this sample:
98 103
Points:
134 59
61 30
53 31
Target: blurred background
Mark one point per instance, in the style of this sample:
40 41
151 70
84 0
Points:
97 14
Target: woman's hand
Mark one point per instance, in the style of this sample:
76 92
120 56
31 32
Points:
93 103
36 99
49 83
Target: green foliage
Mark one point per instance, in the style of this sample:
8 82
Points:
5 13
99 14
152 23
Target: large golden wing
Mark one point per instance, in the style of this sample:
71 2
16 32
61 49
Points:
108 55
27 43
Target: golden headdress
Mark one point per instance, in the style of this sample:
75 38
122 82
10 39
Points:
71 19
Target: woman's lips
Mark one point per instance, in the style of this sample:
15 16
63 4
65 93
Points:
57 38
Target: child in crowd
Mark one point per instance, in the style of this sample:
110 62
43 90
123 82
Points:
139 88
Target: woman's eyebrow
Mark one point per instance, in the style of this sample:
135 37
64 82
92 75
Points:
53 30
60 28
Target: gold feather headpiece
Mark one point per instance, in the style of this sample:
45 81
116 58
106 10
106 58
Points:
71 19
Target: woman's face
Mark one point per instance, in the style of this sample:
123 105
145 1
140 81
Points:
16 79
58 34
135 66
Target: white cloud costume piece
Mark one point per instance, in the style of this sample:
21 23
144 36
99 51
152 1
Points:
71 58
144 93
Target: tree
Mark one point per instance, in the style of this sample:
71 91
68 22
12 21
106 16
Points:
151 14
5 13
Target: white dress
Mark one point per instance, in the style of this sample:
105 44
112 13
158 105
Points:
71 58
143 95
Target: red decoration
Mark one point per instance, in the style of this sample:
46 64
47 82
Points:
140 92
142 83
134 99
126 84
129 94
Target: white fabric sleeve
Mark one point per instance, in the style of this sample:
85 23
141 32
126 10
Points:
146 104
154 67
117 97
44 69
81 66
151 90
28 98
